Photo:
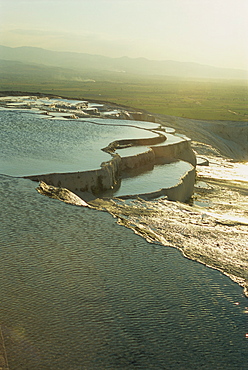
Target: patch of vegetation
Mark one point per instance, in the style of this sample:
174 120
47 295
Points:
198 99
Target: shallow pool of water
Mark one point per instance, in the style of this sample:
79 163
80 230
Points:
31 145
161 176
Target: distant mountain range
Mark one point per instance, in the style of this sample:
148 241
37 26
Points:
81 62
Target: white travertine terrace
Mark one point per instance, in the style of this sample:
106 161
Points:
108 176
160 147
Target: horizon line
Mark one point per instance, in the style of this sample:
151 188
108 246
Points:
125 56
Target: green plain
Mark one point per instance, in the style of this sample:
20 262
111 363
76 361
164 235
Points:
201 99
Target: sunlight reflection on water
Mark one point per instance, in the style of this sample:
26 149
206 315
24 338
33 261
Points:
221 168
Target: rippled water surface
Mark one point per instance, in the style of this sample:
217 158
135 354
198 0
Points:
81 291
31 145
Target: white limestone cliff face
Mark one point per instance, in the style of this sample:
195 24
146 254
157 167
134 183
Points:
180 150
230 138
142 116
94 181
180 192
137 161
184 189
62 194
108 176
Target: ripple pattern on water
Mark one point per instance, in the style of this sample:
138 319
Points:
31 145
79 291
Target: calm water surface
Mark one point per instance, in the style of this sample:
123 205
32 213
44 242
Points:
32 144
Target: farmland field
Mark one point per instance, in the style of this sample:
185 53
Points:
196 99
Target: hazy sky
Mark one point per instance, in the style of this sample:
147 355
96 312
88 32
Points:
213 32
